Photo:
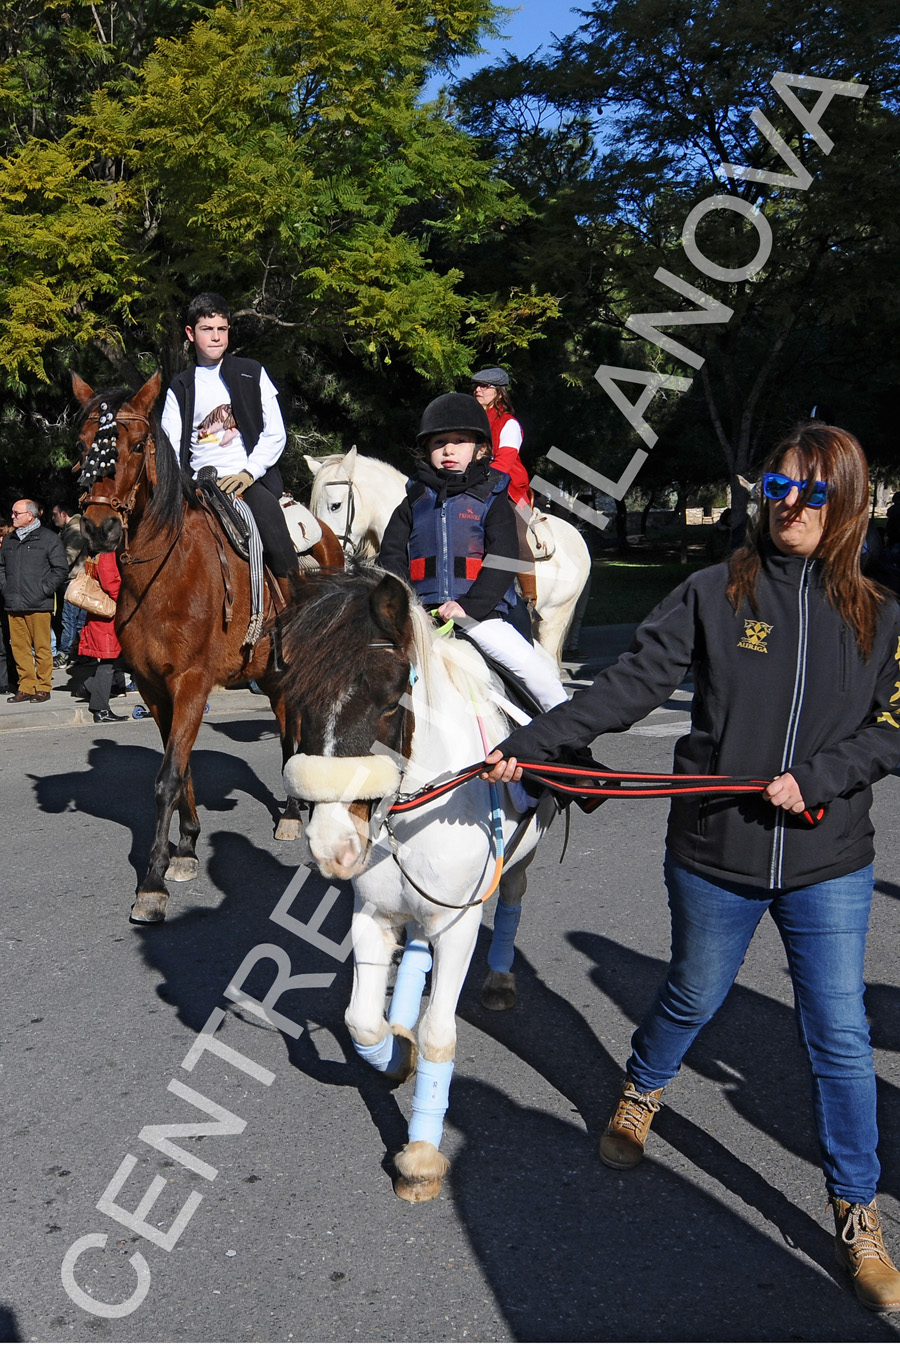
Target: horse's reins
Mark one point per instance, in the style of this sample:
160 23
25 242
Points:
553 776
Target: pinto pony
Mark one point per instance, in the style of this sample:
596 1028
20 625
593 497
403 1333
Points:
383 702
183 610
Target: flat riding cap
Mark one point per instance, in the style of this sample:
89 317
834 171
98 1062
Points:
454 412
494 375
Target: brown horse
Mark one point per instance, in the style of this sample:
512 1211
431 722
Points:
183 610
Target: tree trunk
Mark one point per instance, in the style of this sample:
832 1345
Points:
621 527
646 511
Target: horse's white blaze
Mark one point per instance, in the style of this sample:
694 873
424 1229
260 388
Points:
335 841
378 488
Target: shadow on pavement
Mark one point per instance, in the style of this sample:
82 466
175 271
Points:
574 1251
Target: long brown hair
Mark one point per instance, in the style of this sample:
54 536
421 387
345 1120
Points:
825 453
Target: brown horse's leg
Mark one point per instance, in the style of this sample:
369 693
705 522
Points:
178 717
290 826
183 862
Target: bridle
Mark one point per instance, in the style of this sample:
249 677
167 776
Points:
123 507
346 537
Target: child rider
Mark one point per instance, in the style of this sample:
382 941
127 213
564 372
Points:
455 519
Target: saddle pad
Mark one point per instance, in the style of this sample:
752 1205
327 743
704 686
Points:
304 529
540 536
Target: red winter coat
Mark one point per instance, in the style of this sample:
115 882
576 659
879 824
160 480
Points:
98 636
506 457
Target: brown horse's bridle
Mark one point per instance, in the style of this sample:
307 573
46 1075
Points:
123 507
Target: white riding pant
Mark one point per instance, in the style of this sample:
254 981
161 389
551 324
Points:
537 672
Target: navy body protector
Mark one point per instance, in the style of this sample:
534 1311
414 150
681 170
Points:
446 543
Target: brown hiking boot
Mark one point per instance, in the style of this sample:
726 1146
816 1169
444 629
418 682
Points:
860 1248
622 1142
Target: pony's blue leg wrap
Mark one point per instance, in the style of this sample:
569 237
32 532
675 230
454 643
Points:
407 995
429 1103
506 922
384 1056
379 1056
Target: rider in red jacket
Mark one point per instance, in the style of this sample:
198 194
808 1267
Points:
491 388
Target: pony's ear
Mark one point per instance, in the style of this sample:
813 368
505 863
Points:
83 392
314 465
145 398
348 463
389 606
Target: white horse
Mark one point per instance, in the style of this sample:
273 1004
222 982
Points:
357 495
383 703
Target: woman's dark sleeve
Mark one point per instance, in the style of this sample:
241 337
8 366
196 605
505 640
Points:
501 540
393 555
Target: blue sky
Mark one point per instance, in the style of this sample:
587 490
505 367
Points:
532 26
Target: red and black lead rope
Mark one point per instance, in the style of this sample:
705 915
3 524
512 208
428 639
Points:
609 783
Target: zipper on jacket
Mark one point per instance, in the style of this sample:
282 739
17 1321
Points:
444 577
790 740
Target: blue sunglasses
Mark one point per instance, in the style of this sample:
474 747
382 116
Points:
776 487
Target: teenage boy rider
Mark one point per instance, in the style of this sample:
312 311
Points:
223 411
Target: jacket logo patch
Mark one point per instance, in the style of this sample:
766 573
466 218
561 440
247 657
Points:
755 634
469 514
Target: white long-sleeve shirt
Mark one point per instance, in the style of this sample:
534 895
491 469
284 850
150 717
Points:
218 444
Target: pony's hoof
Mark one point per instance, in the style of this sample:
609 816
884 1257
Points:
421 1168
149 908
405 1068
499 991
182 868
288 829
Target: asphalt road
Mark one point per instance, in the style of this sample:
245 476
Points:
296 1235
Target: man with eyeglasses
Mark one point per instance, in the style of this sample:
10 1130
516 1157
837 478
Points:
32 568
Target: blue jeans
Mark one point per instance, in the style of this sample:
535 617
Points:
823 928
73 620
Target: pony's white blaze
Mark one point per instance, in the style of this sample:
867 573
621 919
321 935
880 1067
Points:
376 490
337 841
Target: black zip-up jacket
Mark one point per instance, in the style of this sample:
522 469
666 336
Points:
784 689
32 570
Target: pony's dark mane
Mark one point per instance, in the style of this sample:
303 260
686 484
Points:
325 637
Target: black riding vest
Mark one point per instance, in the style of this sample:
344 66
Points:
241 378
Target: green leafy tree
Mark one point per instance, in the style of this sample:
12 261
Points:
280 154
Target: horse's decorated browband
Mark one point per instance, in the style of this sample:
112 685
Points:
100 459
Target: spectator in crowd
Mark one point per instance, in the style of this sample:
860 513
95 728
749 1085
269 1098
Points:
7 671
32 568
98 640
75 544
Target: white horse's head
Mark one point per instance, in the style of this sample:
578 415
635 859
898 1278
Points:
356 495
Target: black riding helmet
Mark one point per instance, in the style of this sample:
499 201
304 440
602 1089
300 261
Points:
454 412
